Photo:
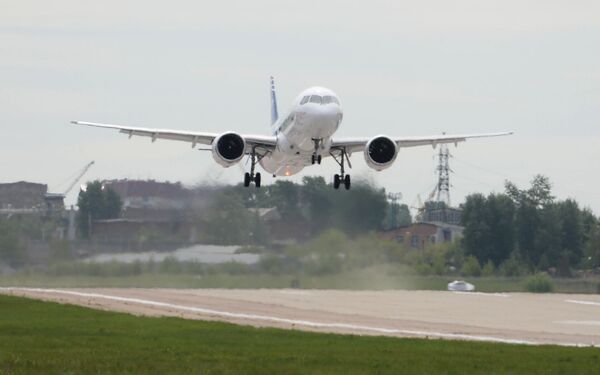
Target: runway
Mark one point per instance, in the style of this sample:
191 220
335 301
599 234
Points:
519 318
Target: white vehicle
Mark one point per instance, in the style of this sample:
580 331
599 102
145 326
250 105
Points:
461 286
300 138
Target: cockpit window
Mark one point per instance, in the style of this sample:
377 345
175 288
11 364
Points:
305 99
330 99
315 99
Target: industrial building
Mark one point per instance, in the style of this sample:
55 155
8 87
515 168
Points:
436 220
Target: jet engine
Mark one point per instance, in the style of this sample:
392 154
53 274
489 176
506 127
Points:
228 149
380 152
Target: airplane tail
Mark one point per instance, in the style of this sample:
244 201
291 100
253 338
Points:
274 114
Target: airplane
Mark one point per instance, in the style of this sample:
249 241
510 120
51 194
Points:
299 139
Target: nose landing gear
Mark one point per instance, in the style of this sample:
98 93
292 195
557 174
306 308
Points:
338 179
316 157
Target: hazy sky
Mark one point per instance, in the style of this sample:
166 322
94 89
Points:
400 68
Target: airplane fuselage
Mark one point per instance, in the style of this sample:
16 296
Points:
303 132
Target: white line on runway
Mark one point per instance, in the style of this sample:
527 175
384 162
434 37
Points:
306 323
591 303
504 295
580 322
295 292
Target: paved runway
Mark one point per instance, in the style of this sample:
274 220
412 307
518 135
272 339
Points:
563 319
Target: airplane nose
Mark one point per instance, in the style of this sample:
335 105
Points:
331 110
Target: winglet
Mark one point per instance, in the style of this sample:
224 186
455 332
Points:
274 114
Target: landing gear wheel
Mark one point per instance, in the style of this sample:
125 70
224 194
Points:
347 182
249 177
336 181
318 144
342 177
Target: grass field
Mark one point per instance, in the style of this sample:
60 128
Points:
373 278
39 337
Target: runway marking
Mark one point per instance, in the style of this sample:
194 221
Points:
580 322
591 303
293 322
504 295
295 292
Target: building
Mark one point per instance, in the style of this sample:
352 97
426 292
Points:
421 235
439 212
23 195
153 211
29 198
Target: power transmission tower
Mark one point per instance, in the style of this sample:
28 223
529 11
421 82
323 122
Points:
443 168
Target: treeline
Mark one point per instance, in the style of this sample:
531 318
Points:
305 209
18 231
528 230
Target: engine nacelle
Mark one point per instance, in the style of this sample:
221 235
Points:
380 152
228 149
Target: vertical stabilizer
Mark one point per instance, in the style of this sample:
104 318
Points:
274 114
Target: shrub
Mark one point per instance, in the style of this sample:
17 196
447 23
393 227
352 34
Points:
439 264
170 265
424 269
513 266
539 283
488 269
471 267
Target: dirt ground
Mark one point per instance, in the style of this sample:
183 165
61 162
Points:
564 319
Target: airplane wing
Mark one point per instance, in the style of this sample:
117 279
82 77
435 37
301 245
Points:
358 144
265 142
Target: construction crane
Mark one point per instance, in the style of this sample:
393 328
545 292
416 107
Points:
55 201
79 176
75 178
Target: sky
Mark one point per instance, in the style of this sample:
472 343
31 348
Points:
399 67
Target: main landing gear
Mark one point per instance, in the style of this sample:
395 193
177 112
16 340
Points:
252 177
341 178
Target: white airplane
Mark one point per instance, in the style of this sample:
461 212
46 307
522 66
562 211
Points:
300 138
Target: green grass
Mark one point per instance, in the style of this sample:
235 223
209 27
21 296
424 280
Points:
48 338
373 278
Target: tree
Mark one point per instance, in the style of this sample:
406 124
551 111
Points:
317 197
360 209
489 227
531 205
592 247
527 226
572 231
397 215
477 231
96 203
539 194
547 239
229 222
500 218
285 195
11 250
